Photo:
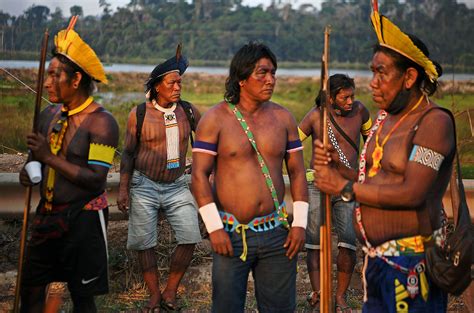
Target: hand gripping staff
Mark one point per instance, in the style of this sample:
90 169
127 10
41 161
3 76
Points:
326 304
26 209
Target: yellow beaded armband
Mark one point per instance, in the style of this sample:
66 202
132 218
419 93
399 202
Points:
101 155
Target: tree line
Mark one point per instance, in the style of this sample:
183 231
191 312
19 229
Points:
147 31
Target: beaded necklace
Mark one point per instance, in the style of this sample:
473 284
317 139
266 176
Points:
55 144
377 155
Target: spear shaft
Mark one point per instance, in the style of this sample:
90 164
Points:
26 209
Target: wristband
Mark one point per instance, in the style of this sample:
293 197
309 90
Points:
300 214
211 217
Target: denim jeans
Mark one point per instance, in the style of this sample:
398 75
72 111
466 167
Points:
176 201
341 217
273 273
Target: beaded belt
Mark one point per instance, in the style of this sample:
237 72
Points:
258 224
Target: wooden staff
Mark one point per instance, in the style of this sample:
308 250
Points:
26 209
326 303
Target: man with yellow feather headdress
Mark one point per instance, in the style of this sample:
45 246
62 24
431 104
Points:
75 144
404 169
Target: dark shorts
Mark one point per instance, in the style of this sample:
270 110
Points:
386 289
79 257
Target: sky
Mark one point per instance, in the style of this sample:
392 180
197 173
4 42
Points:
91 7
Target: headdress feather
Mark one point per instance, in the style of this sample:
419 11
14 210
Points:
390 36
70 44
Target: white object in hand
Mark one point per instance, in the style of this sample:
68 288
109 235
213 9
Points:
33 168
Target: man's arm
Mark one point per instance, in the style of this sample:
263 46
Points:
127 162
366 123
299 192
306 126
103 137
204 155
411 193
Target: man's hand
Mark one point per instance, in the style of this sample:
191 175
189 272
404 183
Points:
295 241
39 146
323 156
123 201
25 178
328 180
220 243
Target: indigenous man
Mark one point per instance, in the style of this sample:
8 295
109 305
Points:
348 119
404 169
245 140
76 144
152 178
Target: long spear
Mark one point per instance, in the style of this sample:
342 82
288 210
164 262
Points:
326 304
26 210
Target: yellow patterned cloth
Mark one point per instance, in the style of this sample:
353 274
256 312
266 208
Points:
409 245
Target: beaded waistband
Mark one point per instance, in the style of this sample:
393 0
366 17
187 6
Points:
258 224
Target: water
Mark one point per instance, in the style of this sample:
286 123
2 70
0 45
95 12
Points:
143 68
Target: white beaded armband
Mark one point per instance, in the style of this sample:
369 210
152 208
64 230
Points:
426 157
300 214
211 217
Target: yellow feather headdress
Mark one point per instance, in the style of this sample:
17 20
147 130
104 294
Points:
69 44
390 36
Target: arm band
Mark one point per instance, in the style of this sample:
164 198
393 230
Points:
205 147
300 214
426 157
101 155
293 146
211 217
302 135
365 128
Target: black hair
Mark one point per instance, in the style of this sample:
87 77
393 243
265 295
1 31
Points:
403 63
336 83
70 68
242 65
151 86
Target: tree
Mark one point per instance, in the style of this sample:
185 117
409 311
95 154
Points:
76 10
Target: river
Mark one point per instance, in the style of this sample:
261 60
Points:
143 68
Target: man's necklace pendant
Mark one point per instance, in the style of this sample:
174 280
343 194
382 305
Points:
376 158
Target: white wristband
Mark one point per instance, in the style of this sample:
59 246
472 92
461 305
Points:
300 214
211 217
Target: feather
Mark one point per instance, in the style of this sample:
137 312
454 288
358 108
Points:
390 36
70 44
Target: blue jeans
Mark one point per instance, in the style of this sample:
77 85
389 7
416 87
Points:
341 217
382 291
273 273
176 201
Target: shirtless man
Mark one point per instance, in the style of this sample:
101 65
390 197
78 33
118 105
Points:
352 118
76 144
152 179
245 221
405 167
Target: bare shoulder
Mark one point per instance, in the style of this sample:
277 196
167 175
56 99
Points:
212 118
280 111
104 117
437 119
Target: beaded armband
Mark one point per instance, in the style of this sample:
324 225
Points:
101 155
427 157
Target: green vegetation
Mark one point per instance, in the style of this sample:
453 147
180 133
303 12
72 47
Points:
147 31
295 93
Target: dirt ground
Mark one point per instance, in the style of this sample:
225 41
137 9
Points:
127 292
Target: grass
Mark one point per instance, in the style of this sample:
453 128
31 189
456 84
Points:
295 93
